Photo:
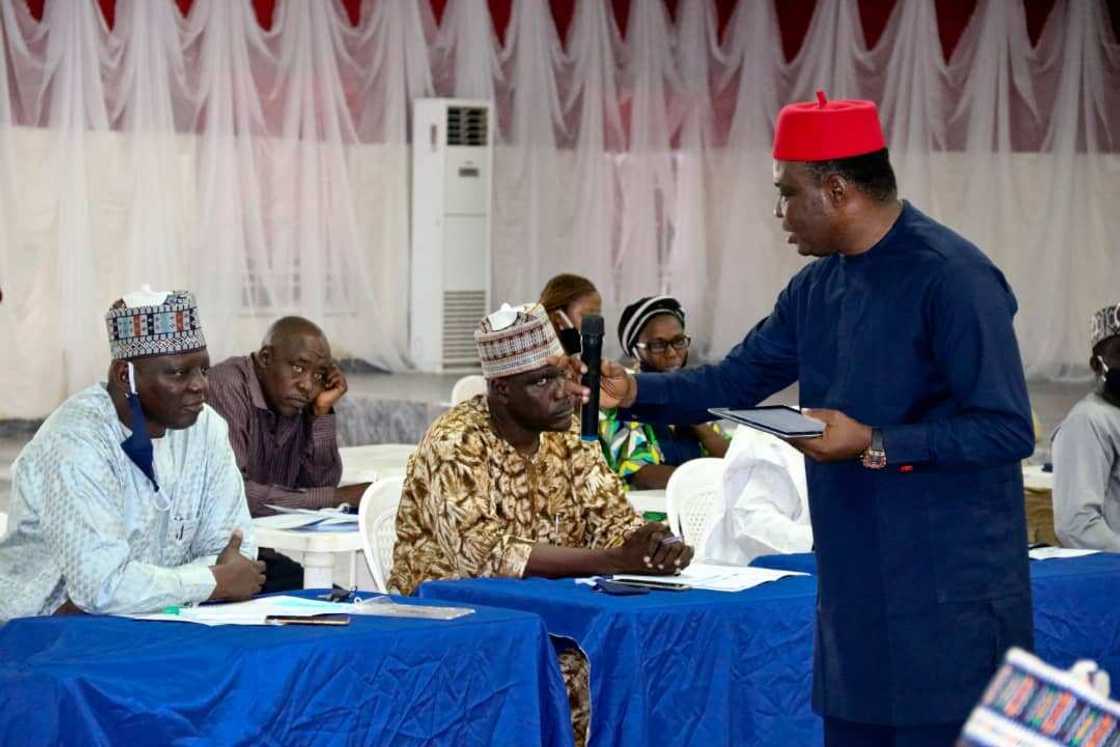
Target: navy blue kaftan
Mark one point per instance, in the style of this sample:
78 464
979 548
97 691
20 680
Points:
923 579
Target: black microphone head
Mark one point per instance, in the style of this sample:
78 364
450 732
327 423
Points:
592 324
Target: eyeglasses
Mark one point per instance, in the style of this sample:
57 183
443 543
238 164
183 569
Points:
659 347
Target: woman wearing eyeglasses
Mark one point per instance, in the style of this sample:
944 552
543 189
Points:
651 330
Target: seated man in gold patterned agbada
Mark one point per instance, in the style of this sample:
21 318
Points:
502 485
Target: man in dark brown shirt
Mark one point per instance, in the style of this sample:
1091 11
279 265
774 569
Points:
279 404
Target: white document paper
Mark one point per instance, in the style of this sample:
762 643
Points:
255 611
294 518
1047 553
716 577
252 612
1034 478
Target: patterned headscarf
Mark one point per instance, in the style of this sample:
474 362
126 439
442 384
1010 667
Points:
635 316
514 340
148 323
1104 324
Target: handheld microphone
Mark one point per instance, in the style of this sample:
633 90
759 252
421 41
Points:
591 342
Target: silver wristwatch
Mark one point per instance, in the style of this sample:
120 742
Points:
875 457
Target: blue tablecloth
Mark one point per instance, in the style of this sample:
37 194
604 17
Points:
489 678
704 668
1076 606
679 668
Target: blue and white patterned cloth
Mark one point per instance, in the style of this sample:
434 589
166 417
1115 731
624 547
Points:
86 525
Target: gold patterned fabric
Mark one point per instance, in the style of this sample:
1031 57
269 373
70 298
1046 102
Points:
576 671
472 505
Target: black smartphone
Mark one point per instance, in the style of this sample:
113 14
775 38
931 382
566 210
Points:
618 589
330 618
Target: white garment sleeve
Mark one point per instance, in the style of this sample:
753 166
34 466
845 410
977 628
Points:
224 505
1082 465
87 538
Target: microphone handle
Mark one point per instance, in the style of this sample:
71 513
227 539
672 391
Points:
589 414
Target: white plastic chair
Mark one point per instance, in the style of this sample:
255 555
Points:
384 536
467 387
3 523
693 500
377 522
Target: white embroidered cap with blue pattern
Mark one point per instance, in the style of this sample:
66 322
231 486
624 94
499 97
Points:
147 323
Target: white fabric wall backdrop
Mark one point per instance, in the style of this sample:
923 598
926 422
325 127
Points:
268 169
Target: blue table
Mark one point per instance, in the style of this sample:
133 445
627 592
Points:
707 668
484 679
679 668
1076 609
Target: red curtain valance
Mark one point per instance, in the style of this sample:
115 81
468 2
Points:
793 15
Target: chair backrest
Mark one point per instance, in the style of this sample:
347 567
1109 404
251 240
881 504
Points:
467 387
693 500
384 536
383 494
380 498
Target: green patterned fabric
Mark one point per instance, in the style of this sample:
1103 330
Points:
627 446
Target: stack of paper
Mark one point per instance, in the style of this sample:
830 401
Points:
255 611
716 577
304 518
252 612
1048 553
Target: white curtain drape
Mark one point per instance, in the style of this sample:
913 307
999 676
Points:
268 170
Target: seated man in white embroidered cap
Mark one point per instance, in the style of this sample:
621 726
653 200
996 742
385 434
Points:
502 485
1086 448
129 499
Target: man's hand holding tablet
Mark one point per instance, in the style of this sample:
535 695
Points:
821 435
782 421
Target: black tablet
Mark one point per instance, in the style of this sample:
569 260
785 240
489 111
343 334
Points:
782 421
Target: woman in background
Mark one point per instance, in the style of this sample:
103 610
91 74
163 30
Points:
651 330
566 298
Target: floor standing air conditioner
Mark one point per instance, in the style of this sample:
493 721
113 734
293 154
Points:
451 190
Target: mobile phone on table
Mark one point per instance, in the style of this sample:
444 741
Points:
617 589
330 618
652 584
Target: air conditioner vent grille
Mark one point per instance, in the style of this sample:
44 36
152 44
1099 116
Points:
462 311
467 125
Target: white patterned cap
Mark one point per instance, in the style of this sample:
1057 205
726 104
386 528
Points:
1104 324
149 323
514 340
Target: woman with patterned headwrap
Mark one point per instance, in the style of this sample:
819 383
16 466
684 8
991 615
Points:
651 330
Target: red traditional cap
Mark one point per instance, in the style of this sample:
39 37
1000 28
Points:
825 130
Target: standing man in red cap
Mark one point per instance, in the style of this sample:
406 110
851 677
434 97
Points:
900 335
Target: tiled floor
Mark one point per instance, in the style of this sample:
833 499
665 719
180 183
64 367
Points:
1051 402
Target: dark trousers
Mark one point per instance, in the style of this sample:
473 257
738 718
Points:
281 573
840 733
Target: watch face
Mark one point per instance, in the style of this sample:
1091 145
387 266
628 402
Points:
874 459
